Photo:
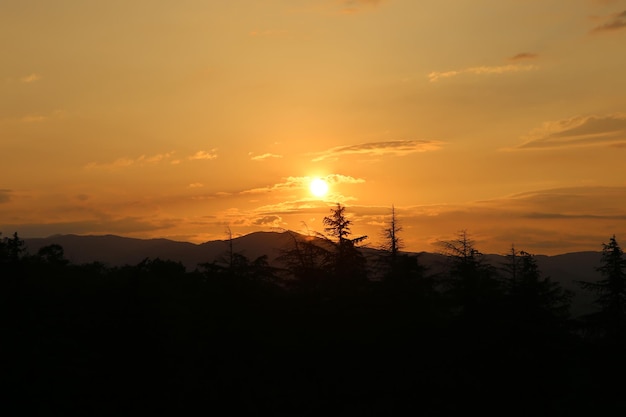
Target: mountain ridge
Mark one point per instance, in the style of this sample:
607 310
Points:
114 250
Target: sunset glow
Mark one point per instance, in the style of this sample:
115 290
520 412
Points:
319 187
176 120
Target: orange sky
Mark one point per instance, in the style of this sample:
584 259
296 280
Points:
506 118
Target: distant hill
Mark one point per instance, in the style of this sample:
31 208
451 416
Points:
116 251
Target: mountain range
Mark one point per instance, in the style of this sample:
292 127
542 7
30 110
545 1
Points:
567 268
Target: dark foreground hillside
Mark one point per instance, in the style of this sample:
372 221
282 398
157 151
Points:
237 339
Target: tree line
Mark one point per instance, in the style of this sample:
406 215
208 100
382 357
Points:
328 331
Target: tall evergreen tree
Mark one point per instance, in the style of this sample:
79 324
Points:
14 248
471 282
348 261
610 321
397 267
391 235
533 300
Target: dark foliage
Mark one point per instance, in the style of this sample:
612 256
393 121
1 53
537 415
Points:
609 323
232 338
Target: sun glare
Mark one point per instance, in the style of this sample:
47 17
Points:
319 187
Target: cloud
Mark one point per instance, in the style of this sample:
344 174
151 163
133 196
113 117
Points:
125 162
393 148
33 119
342 179
613 22
196 185
30 78
293 183
500 69
5 196
523 56
565 203
273 221
265 156
38 118
204 155
123 226
287 184
355 6
548 221
579 131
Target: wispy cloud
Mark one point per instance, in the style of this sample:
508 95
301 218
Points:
5 196
612 23
38 118
302 183
286 184
127 162
355 6
271 221
103 224
30 78
342 179
565 203
389 148
482 70
523 56
265 156
34 119
579 131
542 221
204 155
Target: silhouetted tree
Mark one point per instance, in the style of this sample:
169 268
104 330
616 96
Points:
348 261
471 282
12 251
4 254
534 301
231 252
610 322
308 261
52 254
400 270
392 242
13 248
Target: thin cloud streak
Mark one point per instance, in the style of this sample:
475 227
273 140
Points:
30 78
548 221
482 70
5 196
608 130
204 155
125 162
302 183
614 22
523 56
356 6
265 156
390 148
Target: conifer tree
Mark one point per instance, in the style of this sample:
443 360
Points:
532 298
471 280
348 261
397 266
610 321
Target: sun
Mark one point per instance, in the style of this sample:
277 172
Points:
318 187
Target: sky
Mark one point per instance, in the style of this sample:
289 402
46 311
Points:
505 119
